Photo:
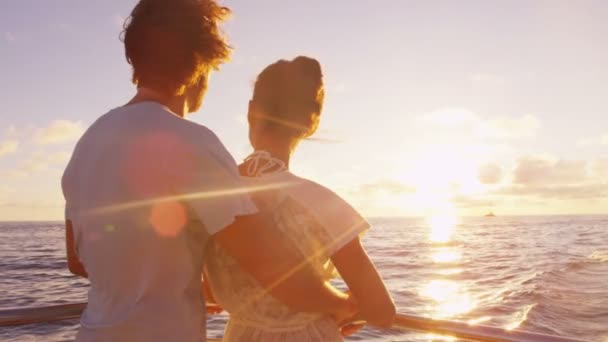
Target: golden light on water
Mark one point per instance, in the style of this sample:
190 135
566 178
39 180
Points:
446 255
520 317
450 271
442 227
450 298
479 320
440 290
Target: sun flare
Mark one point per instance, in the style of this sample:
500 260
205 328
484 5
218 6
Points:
447 169
442 227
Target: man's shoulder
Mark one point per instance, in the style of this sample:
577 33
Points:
146 117
199 132
103 120
197 141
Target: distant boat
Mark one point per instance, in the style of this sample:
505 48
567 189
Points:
490 214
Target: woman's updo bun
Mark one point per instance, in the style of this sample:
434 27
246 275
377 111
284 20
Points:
289 95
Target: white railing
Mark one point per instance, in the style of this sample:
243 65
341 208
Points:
461 330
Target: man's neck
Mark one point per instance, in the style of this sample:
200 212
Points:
177 104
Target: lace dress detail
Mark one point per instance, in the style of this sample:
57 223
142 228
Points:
257 316
308 217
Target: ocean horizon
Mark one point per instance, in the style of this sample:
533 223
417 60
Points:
375 217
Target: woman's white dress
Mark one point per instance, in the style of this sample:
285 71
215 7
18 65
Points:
308 216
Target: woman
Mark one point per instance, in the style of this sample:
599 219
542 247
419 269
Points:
285 109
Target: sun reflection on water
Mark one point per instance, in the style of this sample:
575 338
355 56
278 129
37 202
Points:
479 320
449 297
442 227
446 255
450 271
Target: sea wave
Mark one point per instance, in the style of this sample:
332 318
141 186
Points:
601 256
544 274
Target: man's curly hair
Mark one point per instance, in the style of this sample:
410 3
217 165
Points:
171 44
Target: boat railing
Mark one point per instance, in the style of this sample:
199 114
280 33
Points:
460 330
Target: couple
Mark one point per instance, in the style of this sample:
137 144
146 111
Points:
154 201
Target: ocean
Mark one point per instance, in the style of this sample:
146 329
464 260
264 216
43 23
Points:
542 274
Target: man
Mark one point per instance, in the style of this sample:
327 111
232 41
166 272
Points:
146 189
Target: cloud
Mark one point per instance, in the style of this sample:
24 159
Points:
34 165
4 193
595 141
384 186
32 205
471 202
382 197
8 147
538 171
561 192
540 182
490 174
496 128
44 161
558 179
526 126
59 131
49 163
599 169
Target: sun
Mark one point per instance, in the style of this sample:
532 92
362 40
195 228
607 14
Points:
445 168
442 227
440 173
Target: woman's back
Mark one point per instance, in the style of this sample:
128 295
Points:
310 218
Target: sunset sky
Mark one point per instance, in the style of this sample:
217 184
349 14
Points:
463 106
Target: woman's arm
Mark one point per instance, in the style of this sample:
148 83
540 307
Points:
74 265
279 268
375 303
